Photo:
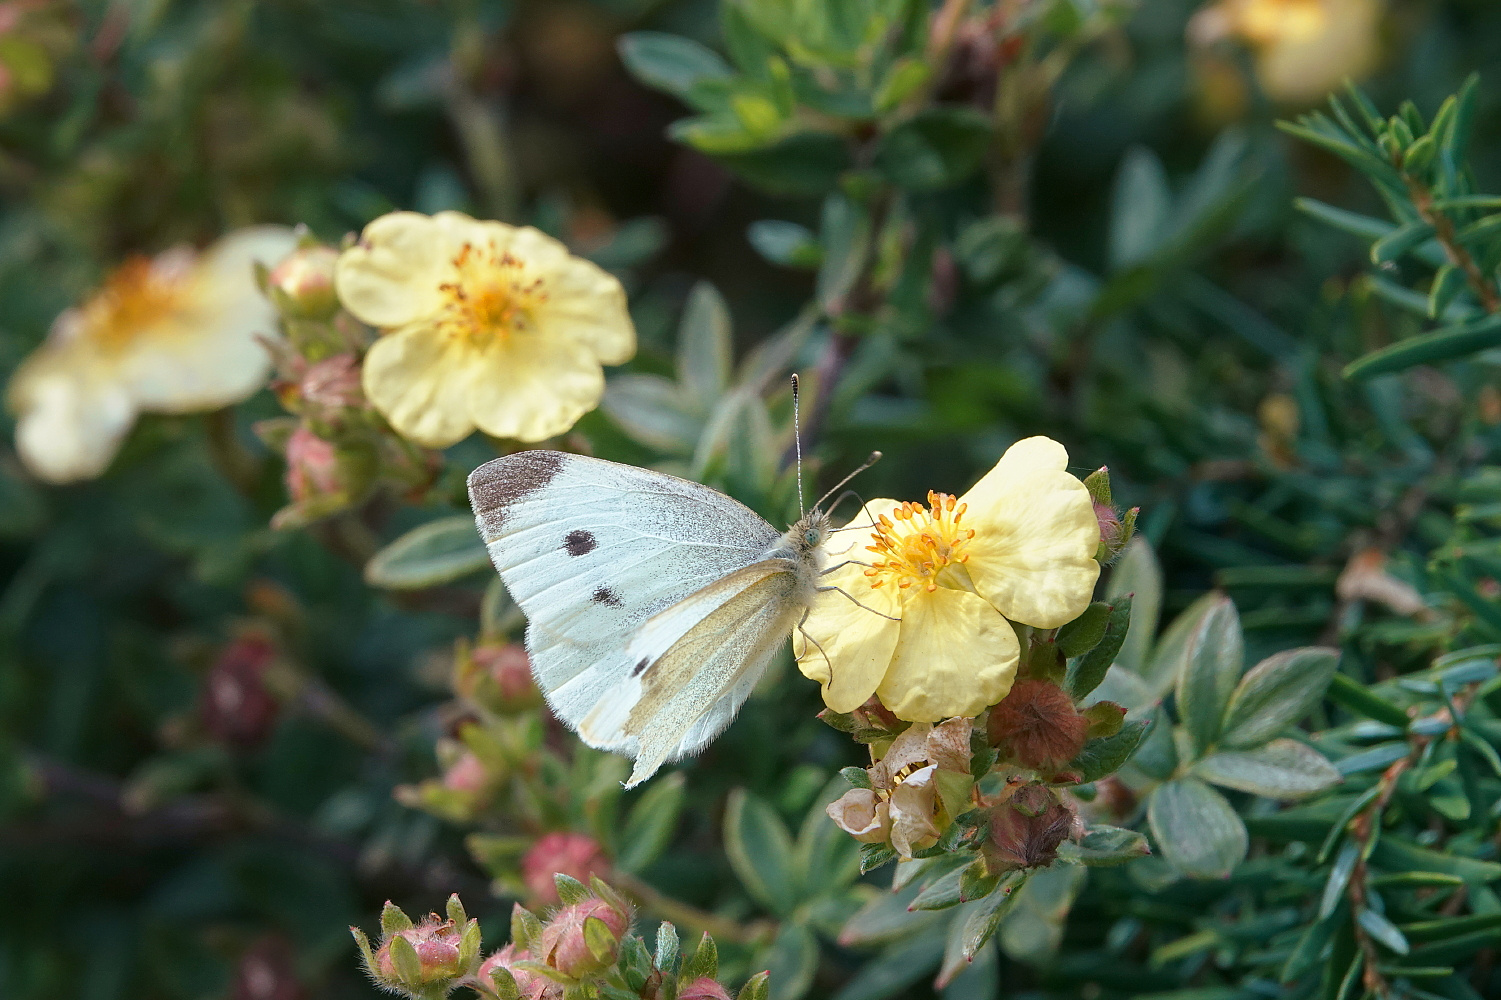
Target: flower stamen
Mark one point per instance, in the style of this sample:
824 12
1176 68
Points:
490 295
920 544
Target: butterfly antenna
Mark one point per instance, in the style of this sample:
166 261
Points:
875 457
797 443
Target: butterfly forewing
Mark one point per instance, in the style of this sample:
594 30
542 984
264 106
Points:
592 551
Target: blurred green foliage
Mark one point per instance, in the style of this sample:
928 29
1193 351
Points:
1282 343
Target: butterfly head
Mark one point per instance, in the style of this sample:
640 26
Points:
810 532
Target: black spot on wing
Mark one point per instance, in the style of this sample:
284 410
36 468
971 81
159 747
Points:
580 542
641 666
604 595
495 486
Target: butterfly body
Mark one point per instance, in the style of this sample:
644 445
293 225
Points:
653 604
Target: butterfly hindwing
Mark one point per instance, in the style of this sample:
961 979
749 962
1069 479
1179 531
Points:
701 658
593 551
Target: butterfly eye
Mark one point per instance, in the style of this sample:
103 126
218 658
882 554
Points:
811 536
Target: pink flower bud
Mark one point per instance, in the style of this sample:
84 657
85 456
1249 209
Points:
498 676
266 971
532 985
573 854
467 774
436 943
303 283
312 466
565 943
236 706
333 383
703 988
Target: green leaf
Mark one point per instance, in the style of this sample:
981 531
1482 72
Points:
1276 693
1364 226
785 243
672 63
757 987
668 948
438 552
653 411
1087 671
901 81
935 149
1083 633
651 823
983 920
1104 846
1395 854
827 858
1449 342
704 964
1283 769
792 959
1137 575
1383 930
1139 209
1109 753
1447 283
704 346
942 893
805 163
1198 831
1212 665
760 850
1358 698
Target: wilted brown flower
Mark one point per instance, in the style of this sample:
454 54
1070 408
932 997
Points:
1027 828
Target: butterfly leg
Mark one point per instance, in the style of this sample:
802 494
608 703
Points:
808 638
847 562
858 604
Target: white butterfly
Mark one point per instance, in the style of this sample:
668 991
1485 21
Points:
653 604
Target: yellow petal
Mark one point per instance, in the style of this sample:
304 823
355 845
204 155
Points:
1032 555
955 656
390 278
530 388
420 381
69 426
1302 67
207 353
585 303
1033 454
848 648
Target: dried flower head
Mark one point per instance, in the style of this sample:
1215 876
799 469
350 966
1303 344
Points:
1037 726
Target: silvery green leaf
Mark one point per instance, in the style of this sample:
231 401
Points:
1283 769
1212 664
1137 573
1139 209
1163 667
1276 693
792 959
438 552
760 850
1198 831
704 346
652 410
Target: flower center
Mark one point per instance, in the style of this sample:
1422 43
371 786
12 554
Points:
135 296
490 295
921 542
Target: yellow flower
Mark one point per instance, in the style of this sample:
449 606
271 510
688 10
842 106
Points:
174 334
939 586
483 325
1303 48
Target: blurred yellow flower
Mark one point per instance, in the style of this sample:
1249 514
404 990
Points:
483 325
173 334
1303 48
939 586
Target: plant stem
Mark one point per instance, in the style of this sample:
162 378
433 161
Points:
1443 231
691 916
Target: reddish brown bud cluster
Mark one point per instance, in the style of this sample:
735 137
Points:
235 704
1037 726
573 854
1027 829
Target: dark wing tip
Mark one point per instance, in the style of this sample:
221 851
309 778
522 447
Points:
499 483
